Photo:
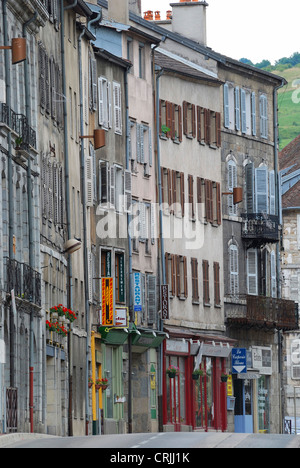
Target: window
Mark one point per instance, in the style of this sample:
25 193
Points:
229 117
189 120
104 93
263 108
246 111
130 52
195 281
252 272
237 108
231 183
142 62
144 147
261 189
233 270
205 270
147 225
191 196
253 113
93 83
176 275
115 187
117 107
217 284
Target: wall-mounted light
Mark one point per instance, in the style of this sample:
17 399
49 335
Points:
18 48
98 137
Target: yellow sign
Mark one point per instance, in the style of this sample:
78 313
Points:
107 288
229 386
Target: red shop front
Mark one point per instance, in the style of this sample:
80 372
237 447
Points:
195 404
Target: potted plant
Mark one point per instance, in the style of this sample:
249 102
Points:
172 371
224 377
197 373
101 383
90 382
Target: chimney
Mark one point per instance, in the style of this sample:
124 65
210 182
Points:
118 10
189 20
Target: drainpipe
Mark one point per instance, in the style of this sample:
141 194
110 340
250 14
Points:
68 206
278 269
30 227
10 184
84 215
162 246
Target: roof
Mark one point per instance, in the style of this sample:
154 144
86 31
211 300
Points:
289 158
176 65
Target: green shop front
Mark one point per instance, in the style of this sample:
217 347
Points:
123 354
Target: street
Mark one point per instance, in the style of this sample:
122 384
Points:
167 440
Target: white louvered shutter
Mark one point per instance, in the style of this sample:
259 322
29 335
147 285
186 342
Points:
261 189
252 272
234 270
226 106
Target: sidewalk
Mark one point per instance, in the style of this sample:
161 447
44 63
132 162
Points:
9 439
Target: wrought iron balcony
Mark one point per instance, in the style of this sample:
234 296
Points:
264 312
25 281
19 124
260 227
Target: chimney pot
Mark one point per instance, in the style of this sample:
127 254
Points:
157 16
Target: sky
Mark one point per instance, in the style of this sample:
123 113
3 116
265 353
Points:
266 29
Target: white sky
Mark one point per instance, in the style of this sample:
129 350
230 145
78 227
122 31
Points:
256 29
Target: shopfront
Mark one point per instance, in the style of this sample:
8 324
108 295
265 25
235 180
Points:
191 403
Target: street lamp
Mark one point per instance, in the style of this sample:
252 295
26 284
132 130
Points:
18 48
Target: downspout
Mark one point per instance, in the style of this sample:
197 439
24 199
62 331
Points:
10 184
129 219
30 227
84 215
278 269
162 246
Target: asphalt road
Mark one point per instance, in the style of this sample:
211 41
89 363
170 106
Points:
178 442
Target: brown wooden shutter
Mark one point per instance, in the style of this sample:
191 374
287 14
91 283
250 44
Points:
173 274
191 195
174 187
219 209
194 121
217 283
160 117
177 263
199 124
209 201
180 123
218 130
162 185
195 284
167 268
170 190
185 125
182 193
205 266
173 126
185 277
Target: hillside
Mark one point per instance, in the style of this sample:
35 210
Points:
289 106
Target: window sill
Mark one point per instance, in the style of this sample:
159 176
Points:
206 304
194 302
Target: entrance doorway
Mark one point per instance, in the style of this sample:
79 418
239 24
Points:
176 406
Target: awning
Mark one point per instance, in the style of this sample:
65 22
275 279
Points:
145 338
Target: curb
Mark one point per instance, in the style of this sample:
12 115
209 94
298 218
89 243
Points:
10 439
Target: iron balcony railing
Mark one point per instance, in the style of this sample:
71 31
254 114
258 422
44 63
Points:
19 124
24 280
265 312
260 226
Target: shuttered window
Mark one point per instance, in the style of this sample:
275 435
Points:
226 106
252 272
232 183
237 109
195 280
117 107
205 272
261 189
209 201
253 113
250 195
263 107
191 196
217 284
273 275
233 270
272 193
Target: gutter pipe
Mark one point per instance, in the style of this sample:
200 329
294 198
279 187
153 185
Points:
84 215
30 234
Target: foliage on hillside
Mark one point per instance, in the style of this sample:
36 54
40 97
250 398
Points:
288 97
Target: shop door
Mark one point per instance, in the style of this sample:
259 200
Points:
204 396
176 407
243 416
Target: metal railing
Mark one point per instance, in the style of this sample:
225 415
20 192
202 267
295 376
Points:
19 124
260 226
24 280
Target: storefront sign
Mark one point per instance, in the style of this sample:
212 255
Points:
165 302
177 346
239 361
137 292
107 295
121 317
229 386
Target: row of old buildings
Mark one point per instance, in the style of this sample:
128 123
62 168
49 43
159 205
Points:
90 232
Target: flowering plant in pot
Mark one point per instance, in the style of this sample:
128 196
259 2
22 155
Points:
101 383
90 382
64 312
172 371
197 373
224 377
